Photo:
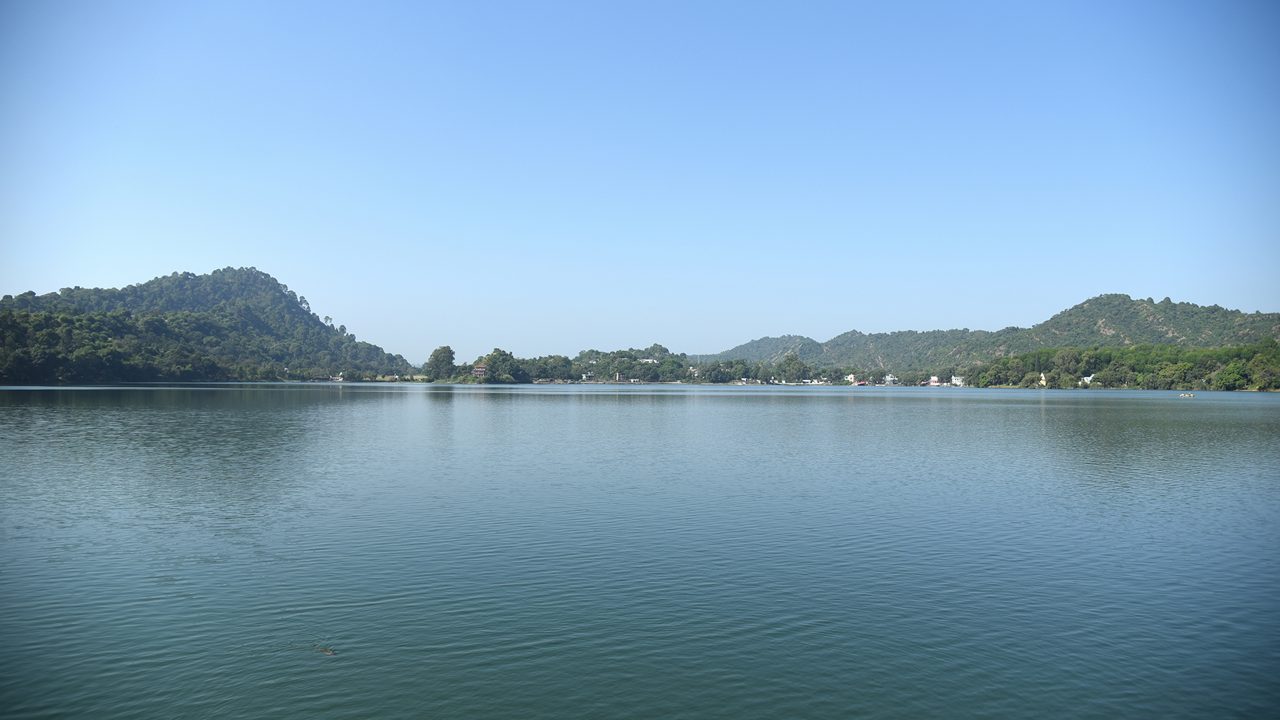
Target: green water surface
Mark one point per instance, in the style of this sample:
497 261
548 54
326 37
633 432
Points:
637 552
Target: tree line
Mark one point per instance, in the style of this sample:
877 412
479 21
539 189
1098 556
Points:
1154 367
1151 367
653 364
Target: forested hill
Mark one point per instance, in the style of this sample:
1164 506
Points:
1103 321
230 324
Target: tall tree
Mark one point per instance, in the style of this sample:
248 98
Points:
440 365
793 369
503 367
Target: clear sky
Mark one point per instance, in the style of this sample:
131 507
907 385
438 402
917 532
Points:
549 177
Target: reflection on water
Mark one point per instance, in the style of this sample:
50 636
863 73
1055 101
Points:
647 551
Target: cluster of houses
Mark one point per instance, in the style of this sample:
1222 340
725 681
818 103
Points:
891 380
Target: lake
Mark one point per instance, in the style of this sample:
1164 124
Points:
637 552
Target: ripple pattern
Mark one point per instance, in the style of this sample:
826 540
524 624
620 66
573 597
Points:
654 552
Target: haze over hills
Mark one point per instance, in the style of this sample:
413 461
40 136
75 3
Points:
1112 320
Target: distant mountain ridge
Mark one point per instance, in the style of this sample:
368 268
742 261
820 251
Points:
243 324
1111 320
230 324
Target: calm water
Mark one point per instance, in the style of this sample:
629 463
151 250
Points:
637 552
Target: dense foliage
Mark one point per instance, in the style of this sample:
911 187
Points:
1104 321
1152 367
652 364
1155 367
231 324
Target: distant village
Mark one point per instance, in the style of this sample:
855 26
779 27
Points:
696 375
888 380
480 373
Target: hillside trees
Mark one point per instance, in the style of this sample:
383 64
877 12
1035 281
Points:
1101 322
231 324
1151 367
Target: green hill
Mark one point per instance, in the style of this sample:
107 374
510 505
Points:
1103 321
230 324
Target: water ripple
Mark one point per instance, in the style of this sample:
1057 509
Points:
639 553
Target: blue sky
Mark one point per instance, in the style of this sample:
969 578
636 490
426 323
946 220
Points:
550 177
